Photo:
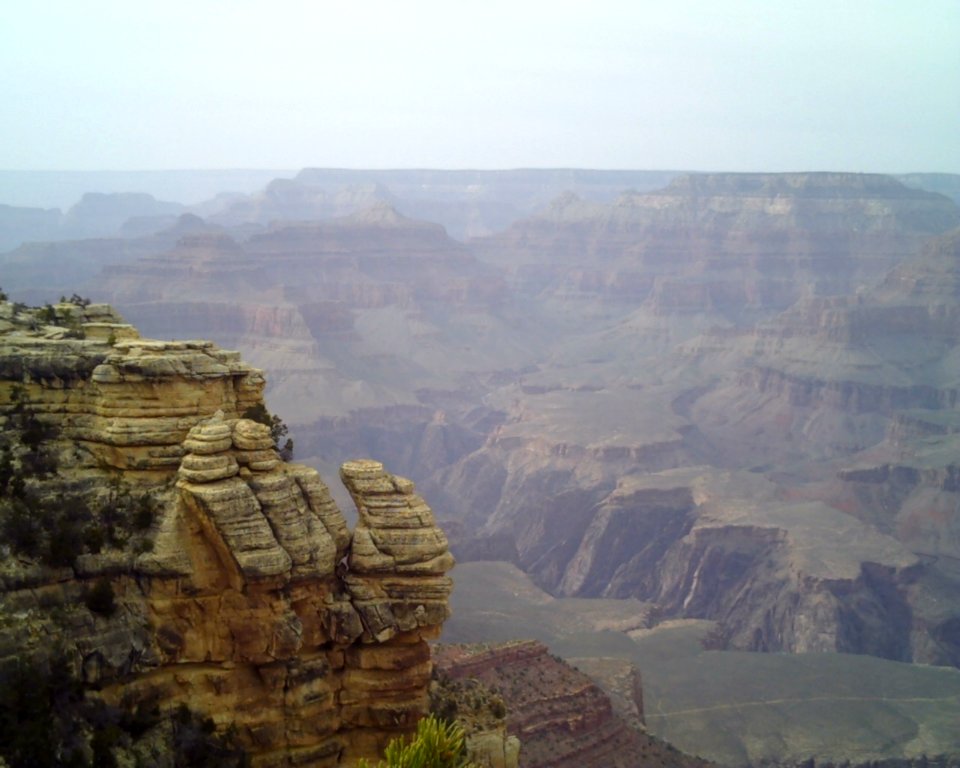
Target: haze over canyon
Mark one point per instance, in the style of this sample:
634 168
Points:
728 401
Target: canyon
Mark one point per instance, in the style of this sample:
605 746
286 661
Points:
730 396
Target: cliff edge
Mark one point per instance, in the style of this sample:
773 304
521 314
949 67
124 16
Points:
157 547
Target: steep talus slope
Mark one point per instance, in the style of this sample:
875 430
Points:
854 400
168 558
526 405
560 715
42 271
95 215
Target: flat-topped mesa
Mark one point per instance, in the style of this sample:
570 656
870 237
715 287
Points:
399 557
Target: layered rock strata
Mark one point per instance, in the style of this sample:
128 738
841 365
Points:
561 717
248 600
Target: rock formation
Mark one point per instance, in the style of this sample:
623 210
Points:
246 598
581 390
561 717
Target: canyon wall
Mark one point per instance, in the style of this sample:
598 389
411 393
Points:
675 395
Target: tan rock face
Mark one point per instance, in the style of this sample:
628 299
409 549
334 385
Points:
283 607
255 605
398 557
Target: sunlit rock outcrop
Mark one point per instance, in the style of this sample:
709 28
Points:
243 596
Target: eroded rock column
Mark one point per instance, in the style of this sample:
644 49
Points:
396 581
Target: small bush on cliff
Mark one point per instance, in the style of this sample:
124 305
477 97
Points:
46 721
197 745
436 745
36 703
6 469
278 430
47 315
100 598
78 300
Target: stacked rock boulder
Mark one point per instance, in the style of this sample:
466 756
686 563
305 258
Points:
395 577
399 555
275 520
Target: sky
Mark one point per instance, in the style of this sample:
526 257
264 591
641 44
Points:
739 85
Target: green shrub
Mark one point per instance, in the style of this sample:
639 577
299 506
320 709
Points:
93 538
6 469
47 315
100 598
437 744
21 527
278 430
64 545
143 512
196 743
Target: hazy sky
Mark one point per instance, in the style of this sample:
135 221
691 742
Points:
862 85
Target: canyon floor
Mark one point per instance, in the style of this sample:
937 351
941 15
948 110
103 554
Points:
730 707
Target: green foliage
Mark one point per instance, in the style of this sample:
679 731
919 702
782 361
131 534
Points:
100 598
22 528
26 718
34 699
3 295
6 469
47 315
32 434
80 301
56 529
122 513
437 744
197 745
47 722
144 510
278 430
62 545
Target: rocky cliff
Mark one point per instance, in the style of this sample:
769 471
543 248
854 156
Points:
561 716
169 557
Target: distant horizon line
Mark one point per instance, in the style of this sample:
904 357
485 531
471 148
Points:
266 169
